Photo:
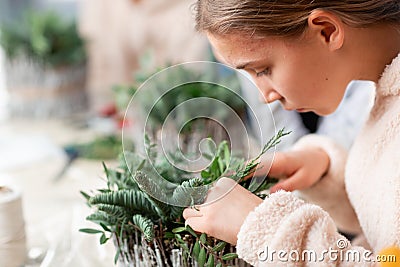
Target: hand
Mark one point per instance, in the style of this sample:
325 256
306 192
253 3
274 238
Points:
297 169
226 207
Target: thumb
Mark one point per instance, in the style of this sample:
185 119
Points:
196 223
295 182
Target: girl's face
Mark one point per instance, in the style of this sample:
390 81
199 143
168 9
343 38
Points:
303 74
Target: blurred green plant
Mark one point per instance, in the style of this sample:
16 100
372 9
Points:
45 38
101 147
219 83
128 213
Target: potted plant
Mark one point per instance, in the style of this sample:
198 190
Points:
45 66
149 232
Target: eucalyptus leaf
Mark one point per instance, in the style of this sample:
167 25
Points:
179 238
191 231
229 256
221 165
196 250
220 246
202 257
178 230
90 231
203 238
103 239
116 257
105 227
210 261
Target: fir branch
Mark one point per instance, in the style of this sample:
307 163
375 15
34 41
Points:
117 212
137 201
250 167
145 225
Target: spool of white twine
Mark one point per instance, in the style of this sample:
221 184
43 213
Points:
12 228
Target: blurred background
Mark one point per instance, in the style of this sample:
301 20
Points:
68 69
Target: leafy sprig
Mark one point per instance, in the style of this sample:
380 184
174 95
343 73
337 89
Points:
128 207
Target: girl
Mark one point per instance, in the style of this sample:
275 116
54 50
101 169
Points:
304 53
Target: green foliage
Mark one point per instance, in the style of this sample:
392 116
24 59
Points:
127 207
123 94
44 38
102 147
129 200
159 101
171 99
145 225
102 217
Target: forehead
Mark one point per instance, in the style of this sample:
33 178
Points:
236 49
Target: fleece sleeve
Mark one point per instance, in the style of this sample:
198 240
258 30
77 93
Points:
286 231
329 192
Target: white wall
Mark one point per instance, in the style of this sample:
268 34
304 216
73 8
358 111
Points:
3 92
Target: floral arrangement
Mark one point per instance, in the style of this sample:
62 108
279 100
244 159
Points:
138 210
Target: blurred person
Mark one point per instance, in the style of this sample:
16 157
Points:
120 32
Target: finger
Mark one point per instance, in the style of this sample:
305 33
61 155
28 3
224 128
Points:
279 164
225 183
191 212
296 182
260 171
221 188
197 224
262 168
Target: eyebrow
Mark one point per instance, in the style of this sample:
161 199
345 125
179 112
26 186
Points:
243 65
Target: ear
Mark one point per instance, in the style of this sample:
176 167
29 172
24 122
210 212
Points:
327 27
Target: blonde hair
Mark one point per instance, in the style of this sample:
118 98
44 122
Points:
287 17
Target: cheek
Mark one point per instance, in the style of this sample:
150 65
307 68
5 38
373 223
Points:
292 86
305 83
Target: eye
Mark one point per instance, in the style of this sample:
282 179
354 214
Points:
267 71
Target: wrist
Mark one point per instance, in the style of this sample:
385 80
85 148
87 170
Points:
324 160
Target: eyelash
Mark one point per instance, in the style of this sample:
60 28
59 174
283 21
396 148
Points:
267 71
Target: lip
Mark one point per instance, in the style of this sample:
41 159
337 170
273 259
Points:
297 109
287 107
301 110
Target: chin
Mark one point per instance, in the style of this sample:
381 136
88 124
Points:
323 112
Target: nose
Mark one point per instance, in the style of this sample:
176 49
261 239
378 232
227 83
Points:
268 93
270 96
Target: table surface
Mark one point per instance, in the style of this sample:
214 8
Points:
53 211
